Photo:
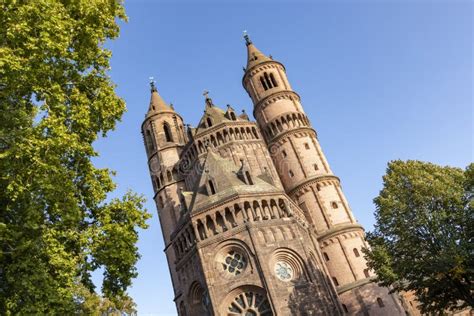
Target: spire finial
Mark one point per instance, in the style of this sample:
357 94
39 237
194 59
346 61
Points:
247 38
208 99
152 84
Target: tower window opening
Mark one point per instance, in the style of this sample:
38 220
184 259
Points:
291 173
160 202
232 116
318 187
264 84
284 153
315 166
212 187
356 252
168 136
209 122
249 178
149 141
344 307
306 145
366 273
267 80
334 205
380 302
326 257
274 82
157 182
335 281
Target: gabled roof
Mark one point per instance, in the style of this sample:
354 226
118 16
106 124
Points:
227 180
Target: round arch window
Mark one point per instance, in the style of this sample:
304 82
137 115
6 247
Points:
250 304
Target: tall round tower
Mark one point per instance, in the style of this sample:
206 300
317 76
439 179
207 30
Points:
164 137
310 183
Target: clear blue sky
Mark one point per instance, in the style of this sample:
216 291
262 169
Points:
380 80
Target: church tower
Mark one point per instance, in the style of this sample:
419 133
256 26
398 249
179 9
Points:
164 137
310 183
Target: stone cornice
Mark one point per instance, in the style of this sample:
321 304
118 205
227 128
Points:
148 118
222 126
171 145
353 285
291 132
308 182
253 70
167 185
274 97
339 229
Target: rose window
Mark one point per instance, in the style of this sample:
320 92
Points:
234 263
250 304
284 271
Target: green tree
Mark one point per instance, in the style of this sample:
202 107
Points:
423 237
56 99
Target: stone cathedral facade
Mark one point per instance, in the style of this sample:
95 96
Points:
253 219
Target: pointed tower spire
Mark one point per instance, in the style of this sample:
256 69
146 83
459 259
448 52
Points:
157 104
254 55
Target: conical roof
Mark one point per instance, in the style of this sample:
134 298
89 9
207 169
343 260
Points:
254 55
157 104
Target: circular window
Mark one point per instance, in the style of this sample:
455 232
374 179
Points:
284 271
234 262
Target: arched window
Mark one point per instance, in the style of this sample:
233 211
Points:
167 130
232 116
380 302
291 174
316 166
158 184
209 122
149 141
366 273
211 187
318 187
272 78
334 205
326 257
160 202
356 252
182 309
335 281
344 308
249 178
264 84
267 80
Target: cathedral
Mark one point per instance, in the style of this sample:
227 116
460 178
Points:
253 219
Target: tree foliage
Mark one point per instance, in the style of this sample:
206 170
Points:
423 237
56 99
